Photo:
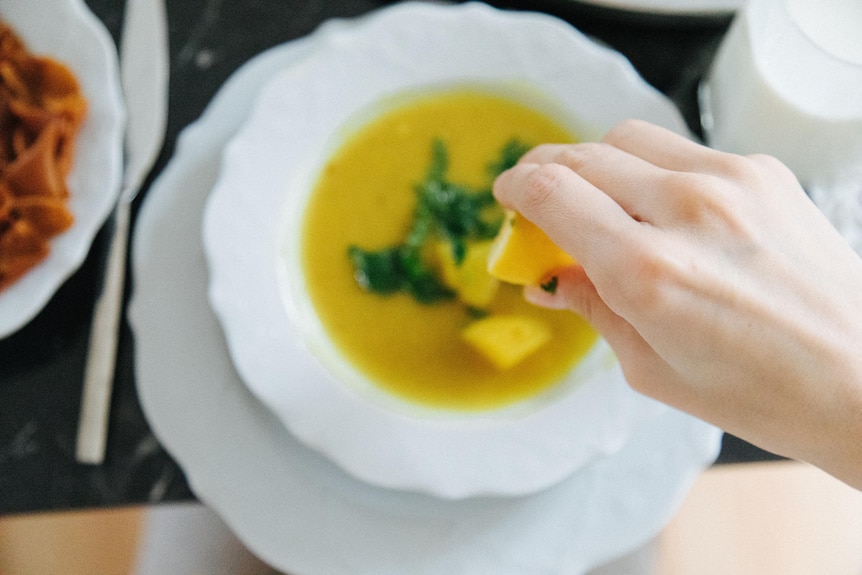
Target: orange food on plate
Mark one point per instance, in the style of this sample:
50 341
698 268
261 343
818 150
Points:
41 111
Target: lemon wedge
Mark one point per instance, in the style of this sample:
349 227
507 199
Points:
522 254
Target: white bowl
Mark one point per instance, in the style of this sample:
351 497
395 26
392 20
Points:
67 31
256 287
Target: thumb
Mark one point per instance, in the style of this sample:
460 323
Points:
576 292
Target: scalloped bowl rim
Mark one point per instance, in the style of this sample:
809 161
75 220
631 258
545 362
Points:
512 452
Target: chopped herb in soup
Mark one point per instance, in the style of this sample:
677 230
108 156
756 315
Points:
395 243
448 212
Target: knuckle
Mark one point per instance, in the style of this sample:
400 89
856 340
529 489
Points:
771 167
766 161
622 130
654 272
539 153
703 199
541 185
576 157
740 169
750 171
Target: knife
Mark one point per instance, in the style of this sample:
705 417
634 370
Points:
144 63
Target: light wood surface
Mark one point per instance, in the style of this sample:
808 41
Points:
82 543
780 518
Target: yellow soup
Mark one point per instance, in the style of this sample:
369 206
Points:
365 196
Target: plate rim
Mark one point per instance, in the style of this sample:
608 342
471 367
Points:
670 8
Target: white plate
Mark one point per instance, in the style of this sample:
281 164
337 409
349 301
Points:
281 349
292 507
67 31
674 7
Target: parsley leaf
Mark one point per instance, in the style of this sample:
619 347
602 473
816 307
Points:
444 210
551 285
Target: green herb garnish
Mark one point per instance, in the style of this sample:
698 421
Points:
476 312
509 156
444 210
550 286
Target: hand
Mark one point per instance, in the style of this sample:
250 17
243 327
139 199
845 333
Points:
722 289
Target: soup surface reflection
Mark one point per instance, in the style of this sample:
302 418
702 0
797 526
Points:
365 196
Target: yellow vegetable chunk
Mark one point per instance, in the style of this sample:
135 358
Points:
506 340
470 279
522 254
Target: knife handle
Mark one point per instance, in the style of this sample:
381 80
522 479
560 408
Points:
102 352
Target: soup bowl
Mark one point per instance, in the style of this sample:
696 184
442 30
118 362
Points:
253 225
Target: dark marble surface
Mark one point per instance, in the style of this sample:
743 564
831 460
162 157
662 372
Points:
41 366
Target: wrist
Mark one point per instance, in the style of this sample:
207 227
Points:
839 449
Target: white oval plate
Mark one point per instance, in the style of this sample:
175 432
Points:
295 509
268 172
673 7
67 31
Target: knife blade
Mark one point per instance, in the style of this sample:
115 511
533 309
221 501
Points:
144 65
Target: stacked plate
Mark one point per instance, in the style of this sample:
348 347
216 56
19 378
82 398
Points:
233 394
697 8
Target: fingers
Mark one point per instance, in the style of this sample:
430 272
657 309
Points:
668 150
632 182
577 216
654 174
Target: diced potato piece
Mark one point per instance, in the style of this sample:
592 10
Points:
470 279
522 254
506 340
